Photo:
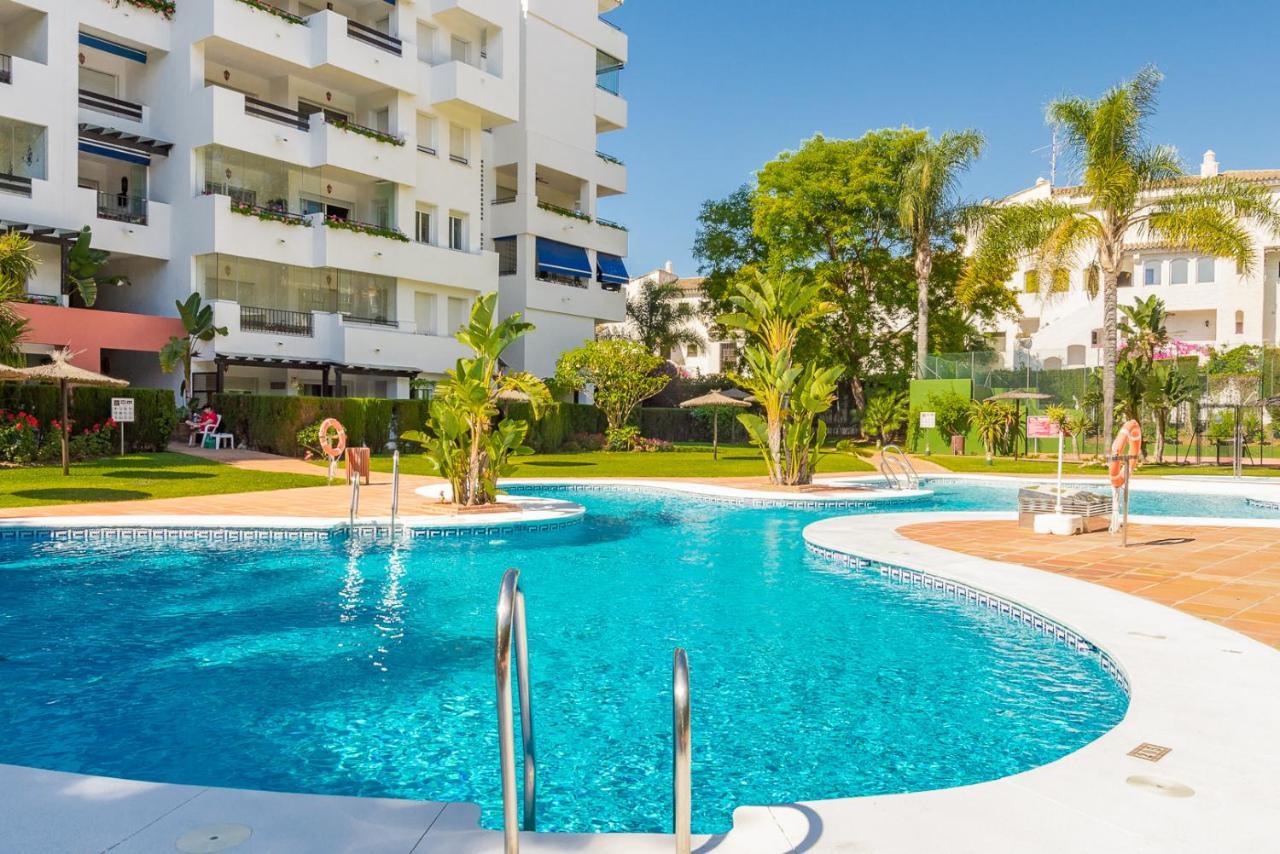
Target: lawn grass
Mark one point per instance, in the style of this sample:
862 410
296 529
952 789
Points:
690 460
137 477
977 464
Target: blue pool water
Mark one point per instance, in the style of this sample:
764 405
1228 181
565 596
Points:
347 668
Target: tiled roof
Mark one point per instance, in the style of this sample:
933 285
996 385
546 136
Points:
1252 176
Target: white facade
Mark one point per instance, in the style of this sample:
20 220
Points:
711 355
549 174
262 128
1209 302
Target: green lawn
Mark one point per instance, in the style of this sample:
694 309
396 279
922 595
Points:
134 477
977 463
690 460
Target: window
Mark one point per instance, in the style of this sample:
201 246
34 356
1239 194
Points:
422 225
459 50
1179 271
1204 271
507 256
728 354
1239 322
1031 282
1124 280
308 109
426 133
459 144
99 82
691 351
457 232
1151 273
382 120
424 312
426 43
457 313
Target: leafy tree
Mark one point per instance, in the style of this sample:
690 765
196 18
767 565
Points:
1237 360
726 242
951 413
84 268
929 210
660 319
17 266
884 415
1131 191
774 311
463 445
622 373
1168 390
1142 326
197 321
1131 388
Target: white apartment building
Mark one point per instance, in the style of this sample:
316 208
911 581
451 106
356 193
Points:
561 261
316 170
711 355
1209 302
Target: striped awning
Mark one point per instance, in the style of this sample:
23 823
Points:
611 269
114 48
561 259
118 139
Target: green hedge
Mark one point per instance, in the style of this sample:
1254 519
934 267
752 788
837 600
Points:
558 422
271 422
155 412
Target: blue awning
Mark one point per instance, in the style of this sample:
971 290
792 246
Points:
115 153
611 269
113 47
562 259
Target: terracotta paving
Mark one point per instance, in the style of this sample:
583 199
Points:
1225 575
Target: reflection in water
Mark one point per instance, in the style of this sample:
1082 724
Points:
352 583
390 617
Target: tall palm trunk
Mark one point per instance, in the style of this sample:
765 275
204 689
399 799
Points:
1110 281
924 269
1161 426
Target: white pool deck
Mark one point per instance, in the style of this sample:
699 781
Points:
1209 694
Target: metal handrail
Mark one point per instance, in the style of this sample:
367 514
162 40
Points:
276 113
355 492
891 458
383 41
511 626
395 491
107 104
6 68
682 762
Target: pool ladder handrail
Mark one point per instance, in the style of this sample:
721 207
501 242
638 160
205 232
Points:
682 762
395 491
897 469
511 631
355 497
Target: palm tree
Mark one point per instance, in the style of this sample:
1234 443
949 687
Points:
197 321
1131 191
662 318
1143 328
991 419
928 209
17 265
885 414
1168 390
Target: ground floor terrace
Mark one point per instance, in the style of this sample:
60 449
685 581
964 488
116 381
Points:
1185 620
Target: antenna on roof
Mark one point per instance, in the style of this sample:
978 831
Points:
1055 150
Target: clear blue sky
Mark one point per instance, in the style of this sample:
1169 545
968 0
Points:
718 87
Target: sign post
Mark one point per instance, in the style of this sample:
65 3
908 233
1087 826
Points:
122 414
1043 427
928 421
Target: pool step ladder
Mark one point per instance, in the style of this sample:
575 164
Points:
897 469
393 530
511 634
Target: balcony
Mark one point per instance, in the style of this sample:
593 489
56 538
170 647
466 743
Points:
460 85
376 38
6 68
16 185
119 207
111 106
276 113
611 111
455 13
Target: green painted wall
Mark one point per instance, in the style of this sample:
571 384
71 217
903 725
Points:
933 440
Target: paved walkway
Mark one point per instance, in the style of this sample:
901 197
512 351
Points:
1229 576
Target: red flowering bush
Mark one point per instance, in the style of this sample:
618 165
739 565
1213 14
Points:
19 437
22 440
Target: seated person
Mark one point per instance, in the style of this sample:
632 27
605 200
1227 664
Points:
206 417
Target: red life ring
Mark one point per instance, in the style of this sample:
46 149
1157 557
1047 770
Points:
332 445
1129 438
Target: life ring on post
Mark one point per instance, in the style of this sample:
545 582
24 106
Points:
333 438
1128 439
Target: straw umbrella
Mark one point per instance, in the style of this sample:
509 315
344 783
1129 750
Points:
67 375
1017 397
715 401
13 374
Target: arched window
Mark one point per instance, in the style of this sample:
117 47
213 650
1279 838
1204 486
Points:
1204 271
1151 273
1076 354
1179 271
1239 322
1053 363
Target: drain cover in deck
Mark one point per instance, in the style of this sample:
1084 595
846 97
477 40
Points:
213 838
1150 752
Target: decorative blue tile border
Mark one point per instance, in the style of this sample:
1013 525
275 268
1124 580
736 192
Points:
726 500
241 535
1265 505
1034 619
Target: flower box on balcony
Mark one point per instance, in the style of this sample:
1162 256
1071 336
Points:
165 8
372 133
366 228
556 209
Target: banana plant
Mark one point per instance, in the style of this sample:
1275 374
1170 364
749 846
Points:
84 268
198 322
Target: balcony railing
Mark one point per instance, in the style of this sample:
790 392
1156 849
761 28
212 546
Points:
276 113
41 299
609 158
426 149
6 68
370 36
609 23
122 207
275 10
458 158
18 185
505 201
113 106
351 319
608 223
556 209
277 321
362 130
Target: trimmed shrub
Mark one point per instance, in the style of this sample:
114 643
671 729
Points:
271 422
154 409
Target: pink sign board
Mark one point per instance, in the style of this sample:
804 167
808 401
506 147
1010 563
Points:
1041 427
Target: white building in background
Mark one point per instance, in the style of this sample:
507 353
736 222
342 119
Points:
1209 302
712 355
317 171
561 259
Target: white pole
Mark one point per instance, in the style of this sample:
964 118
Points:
122 438
1058 509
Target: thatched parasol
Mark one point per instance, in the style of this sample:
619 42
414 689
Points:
512 395
715 400
11 373
1017 396
67 375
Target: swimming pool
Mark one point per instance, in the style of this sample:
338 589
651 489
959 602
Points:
343 667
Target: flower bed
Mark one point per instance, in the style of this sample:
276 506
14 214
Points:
23 440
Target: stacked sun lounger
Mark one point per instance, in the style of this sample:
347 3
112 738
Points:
1093 507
